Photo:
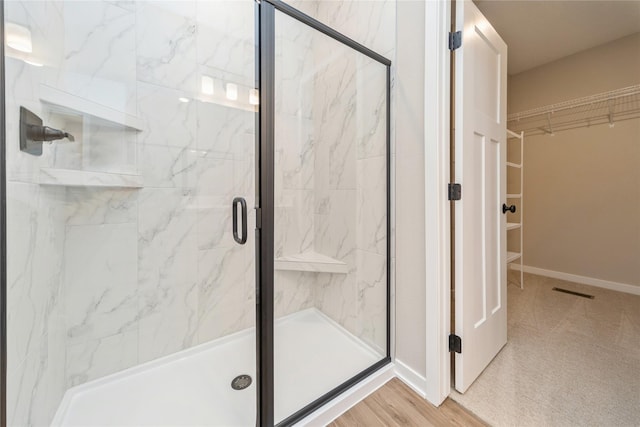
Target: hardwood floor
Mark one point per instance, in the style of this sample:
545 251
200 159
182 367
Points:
395 404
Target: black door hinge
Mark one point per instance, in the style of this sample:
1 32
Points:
455 343
455 191
455 40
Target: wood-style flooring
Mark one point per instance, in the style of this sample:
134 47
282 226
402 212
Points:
395 404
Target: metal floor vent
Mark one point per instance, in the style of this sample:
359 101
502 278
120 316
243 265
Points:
579 294
241 382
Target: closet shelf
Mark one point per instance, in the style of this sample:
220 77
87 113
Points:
78 178
603 108
77 106
514 165
514 196
512 256
513 225
311 261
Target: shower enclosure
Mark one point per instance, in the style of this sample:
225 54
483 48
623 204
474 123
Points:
213 247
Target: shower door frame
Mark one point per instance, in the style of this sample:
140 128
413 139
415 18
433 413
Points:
3 231
265 208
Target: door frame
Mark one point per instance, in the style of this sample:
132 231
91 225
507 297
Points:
438 259
265 204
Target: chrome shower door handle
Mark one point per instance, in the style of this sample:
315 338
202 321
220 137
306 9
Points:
242 239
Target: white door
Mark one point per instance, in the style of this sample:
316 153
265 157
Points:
480 226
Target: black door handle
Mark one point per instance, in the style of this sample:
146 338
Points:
242 239
506 208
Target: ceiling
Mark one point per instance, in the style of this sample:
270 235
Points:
542 31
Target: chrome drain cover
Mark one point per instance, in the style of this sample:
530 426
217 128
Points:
241 382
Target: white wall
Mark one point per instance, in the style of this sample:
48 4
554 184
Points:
410 187
422 173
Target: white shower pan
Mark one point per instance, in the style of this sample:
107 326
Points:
312 355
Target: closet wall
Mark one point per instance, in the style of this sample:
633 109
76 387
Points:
582 186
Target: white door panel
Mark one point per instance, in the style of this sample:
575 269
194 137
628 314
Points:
480 226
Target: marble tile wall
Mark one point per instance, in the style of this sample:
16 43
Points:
102 279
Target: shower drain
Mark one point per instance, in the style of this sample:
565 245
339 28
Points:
241 382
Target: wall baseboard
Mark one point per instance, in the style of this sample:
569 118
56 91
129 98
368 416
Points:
606 284
414 380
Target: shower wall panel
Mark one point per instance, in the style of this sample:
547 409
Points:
105 278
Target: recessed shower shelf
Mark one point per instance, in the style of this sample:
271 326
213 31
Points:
311 261
77 178
80 106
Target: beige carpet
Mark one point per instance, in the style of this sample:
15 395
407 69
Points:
569 361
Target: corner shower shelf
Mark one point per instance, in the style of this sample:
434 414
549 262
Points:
77 178
512 256
310 261
80 106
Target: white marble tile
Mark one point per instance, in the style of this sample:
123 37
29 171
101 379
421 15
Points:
372 299
226 301
294 222
371 205
166 45
125 4
371 112
100 54
167 120
93 359
168 316
371 23
214 227
100 283
224 131
85 206
167 167
225 39
295 70
335 105
167 243
181 8
295 151
336 295
108 148
35 332
65 154
293 291
215 180
245 180
335 233
44 19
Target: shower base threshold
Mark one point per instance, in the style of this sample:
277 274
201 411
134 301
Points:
313 354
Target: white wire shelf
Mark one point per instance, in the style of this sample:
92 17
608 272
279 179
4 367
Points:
603 108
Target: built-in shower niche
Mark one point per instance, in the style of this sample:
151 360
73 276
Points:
104 151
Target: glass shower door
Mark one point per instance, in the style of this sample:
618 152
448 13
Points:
330 278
